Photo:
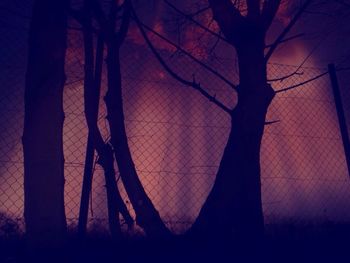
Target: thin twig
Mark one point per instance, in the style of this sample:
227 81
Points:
287 76
199 11
302 83
287 39
271 122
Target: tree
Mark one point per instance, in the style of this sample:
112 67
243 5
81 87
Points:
92 83
146 214
233 207
43 125
234 202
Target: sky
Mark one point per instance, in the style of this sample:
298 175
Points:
304 173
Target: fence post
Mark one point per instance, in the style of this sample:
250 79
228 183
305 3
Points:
340 113
87 185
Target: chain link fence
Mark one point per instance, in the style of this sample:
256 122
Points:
177 138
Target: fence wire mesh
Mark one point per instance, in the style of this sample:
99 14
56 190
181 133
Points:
177 138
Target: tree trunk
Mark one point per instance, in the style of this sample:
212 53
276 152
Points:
146 214
43 126
233 208
92 85
91 104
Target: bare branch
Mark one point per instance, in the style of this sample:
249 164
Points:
287 76
192 84
189 55
287 29
287 39
211 50
199 11
302 83
227 16
190 18
271 122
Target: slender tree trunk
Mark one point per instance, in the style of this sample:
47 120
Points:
233 207
43 126
106 160
92 84
146 214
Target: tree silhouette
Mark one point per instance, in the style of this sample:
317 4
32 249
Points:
92 83
233 207
146 214
43 124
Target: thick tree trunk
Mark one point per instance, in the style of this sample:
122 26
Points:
43 126
146 214
233 208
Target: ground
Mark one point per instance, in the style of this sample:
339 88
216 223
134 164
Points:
329 243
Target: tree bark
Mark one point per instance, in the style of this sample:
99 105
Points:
43 126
